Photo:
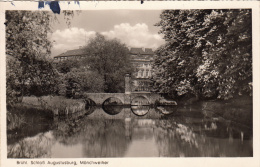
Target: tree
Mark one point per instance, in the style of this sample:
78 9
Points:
110 59
102 69
80 80
67 65
227 61
28 48
202 53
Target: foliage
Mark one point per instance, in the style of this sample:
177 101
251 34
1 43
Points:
207 53
80 80
13 75
102 70
15 120
109 58
28 48
67 65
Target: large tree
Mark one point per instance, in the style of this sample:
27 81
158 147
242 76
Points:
110 59
207 53
28 48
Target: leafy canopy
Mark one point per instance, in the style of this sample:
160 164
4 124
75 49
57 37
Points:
28 48
208 53
110 58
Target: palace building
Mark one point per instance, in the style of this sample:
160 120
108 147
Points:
70 54
141 60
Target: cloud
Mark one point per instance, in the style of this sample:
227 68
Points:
133 36
69 39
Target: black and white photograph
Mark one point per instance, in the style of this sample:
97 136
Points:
128 83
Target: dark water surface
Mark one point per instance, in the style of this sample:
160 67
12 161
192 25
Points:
188 131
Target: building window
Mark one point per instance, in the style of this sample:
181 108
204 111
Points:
140 73
146 73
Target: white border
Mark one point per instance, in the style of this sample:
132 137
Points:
147 5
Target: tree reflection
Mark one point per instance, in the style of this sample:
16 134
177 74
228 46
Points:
113 109
166 109
100 137
176 139
107 139
38 146
169 135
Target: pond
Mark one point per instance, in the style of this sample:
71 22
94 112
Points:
141 131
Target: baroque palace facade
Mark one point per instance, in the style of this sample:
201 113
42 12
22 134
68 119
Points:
141 60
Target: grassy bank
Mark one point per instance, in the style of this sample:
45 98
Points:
57 104
33 110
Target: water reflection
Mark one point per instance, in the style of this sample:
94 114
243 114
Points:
183 133
97 138
167 109
112 106
89 110
183 141
140 110
32 147
113 110
143 142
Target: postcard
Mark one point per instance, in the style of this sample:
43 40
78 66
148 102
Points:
130 83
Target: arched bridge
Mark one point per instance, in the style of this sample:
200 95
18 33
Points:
126 99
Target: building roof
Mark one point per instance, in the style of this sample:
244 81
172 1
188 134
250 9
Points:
75 52
81 51
146 51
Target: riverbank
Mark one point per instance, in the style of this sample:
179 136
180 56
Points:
33 110
59 105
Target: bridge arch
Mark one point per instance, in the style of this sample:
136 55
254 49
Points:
140 100
112 101
100 98
140 105
112 105
89 106
89 102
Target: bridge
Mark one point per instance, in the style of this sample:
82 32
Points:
129 97
125 98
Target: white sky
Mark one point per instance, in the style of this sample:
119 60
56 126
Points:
135 28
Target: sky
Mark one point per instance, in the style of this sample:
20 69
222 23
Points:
135 28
